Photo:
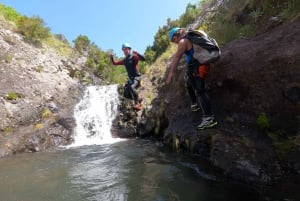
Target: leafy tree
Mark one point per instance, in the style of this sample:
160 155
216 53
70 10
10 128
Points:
161 38
98 59
150 55
161 41
190 15
100 64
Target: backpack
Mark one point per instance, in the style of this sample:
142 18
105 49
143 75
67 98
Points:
206 48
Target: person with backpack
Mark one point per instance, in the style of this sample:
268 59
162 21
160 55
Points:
130 62
194 77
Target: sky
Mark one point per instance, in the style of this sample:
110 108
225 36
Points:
108 23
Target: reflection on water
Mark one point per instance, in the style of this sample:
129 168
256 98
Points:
133 170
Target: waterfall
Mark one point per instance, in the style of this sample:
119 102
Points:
94 115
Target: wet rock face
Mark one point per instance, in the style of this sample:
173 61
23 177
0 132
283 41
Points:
34 140
260 75
126 121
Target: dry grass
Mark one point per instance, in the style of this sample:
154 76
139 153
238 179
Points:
62 48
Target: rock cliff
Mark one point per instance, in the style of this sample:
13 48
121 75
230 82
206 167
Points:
255 93
37 95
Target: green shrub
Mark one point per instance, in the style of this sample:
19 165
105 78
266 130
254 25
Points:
33 29
143 67
263 121
9 13
13 96
255 14
82 43
225 31
150 55
291 9
115 74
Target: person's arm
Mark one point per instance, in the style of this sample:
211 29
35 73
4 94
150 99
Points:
120 62
176 58
140 56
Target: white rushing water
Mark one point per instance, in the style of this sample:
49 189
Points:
94 115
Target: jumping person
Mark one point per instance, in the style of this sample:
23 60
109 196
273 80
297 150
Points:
130 62
195 75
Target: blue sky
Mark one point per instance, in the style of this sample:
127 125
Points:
106 23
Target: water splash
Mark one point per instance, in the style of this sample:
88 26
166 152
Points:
94 115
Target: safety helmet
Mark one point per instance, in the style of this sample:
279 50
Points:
126 45
172 32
